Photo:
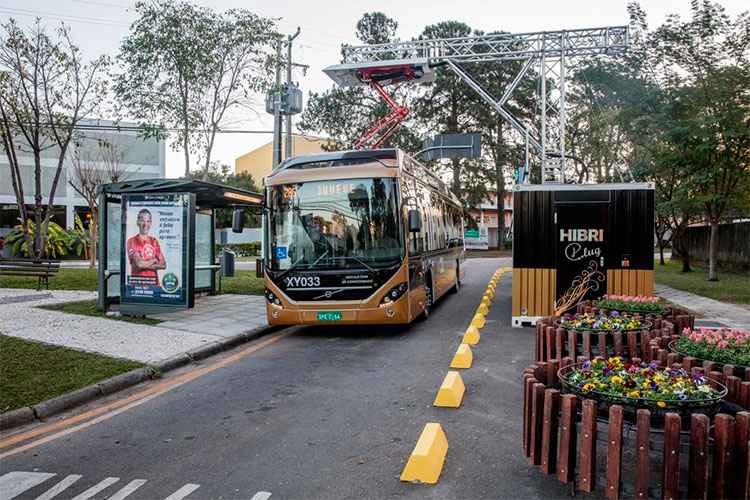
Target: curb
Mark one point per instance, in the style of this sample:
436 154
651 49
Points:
64 402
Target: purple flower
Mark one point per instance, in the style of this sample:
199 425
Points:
586 365
615 314
698 378
606 371
654 385
682 394
671 373
653 366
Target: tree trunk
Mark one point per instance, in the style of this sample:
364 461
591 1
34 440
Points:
680 248
713 243
661 252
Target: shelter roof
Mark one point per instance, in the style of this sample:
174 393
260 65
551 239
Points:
207 194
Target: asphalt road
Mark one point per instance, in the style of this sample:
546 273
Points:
323 413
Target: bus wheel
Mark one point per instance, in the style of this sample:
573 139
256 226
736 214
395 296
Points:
427 297
457 285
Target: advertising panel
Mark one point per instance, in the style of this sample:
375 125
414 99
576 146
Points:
582 235
154 249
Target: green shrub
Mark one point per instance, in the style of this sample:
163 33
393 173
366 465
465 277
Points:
241 249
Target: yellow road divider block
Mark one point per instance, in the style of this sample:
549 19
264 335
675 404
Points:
426 461
483 309
451 392
490 294
478 321
463 357
471 336
486 301
508 269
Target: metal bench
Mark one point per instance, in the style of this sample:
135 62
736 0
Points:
41 268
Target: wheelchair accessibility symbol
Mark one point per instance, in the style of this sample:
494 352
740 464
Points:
281 253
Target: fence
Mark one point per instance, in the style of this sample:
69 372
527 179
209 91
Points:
733 249
697 455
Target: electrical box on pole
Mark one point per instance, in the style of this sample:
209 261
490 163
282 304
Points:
289 99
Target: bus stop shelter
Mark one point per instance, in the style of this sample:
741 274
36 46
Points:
156 244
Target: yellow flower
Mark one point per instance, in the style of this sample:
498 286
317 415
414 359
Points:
635 394
658 379
589 387
594 361
616 380
645 385
615 361
661 404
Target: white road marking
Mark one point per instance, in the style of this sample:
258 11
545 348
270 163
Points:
183 492
96 488
14 483
59 487
261 495
128 489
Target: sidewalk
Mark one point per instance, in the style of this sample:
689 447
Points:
20 317
736 317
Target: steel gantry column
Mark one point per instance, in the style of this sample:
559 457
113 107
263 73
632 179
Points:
547 49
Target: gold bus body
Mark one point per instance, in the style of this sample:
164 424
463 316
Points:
447 266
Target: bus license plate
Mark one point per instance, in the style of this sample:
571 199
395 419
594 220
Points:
329 316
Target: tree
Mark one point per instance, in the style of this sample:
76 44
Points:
714 53
46 89
375 28
443 107
90 167
187 67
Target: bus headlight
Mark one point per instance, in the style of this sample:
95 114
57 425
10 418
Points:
393 295
272 298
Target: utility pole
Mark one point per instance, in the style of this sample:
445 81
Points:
277 110
288 148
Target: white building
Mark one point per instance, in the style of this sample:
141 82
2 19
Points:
142 159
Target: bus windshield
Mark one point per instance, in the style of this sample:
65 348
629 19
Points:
346 223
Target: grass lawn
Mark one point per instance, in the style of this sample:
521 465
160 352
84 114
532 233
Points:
91 308
731 287
69 278
471 254
31 372
244 282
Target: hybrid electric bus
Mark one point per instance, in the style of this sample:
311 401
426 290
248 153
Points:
359 237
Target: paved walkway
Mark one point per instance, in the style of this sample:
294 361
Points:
737 317
21 317
220 315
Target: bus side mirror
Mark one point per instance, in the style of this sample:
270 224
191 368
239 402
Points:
238 221
415 221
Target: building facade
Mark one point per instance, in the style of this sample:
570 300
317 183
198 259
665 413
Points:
259 162
139 159
486 215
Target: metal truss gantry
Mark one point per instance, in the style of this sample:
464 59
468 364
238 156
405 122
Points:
546 50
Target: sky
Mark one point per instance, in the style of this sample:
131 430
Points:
98 26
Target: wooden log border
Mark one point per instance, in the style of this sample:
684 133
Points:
651 346
565 440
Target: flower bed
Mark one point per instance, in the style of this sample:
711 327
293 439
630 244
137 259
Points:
614 322
642 386
629 303
727 347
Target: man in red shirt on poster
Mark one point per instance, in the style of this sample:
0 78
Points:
144 252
